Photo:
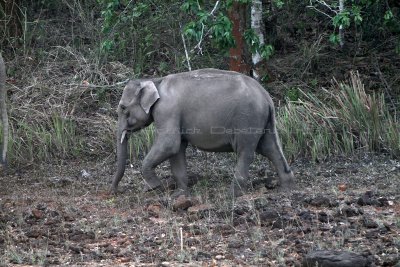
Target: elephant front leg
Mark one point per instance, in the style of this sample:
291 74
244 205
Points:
163 148
179 171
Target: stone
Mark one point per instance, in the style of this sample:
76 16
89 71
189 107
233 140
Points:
154 210
38 214
327 258
320 201
182 203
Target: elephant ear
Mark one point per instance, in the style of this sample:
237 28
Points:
149 95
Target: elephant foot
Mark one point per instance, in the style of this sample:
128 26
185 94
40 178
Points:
116 190
113 190
151 184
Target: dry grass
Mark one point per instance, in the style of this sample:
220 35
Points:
342 120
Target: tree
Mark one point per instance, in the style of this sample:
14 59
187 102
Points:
230 27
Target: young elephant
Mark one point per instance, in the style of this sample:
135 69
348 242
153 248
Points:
214 110
3 111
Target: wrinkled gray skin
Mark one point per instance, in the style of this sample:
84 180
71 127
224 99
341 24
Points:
214 110
3 111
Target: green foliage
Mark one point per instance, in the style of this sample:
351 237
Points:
135 32
115 12
55 138
293 94
219 27
371 16
253 42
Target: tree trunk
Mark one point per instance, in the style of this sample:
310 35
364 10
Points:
341 32
239 56
256 22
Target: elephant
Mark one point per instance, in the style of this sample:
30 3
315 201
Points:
213 110
3 111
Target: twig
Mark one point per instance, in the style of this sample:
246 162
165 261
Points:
181 233
215 8
198 45
186 51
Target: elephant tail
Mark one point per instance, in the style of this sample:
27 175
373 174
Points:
271 122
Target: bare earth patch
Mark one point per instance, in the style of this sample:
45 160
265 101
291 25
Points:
64 215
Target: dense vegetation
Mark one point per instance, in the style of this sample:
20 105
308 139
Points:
333 71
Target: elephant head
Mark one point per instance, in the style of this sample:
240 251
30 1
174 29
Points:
134 113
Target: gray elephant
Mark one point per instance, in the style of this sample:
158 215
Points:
214 110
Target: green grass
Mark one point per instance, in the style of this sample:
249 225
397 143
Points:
344 120
54 137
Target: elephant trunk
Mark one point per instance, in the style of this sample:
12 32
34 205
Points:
122 152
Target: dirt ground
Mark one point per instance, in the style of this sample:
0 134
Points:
63 215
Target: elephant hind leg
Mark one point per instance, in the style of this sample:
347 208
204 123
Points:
270 147
245 145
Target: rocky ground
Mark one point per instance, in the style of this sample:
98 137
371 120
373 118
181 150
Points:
64 216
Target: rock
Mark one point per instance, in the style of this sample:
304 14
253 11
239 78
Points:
369 223
326 258
267 215
340 170
271 183
307 215
235 244
182 203
324 217
350 211
75 248
201 255
320 201
200 211
34 232
241 209
38 214
342 187
200 208
391 260
368 199
154 210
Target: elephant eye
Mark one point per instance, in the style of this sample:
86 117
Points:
122 107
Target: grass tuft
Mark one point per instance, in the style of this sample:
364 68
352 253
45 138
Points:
341 121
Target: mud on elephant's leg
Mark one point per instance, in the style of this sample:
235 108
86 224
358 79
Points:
179 171
163 148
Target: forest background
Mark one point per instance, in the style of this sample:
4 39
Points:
332 68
